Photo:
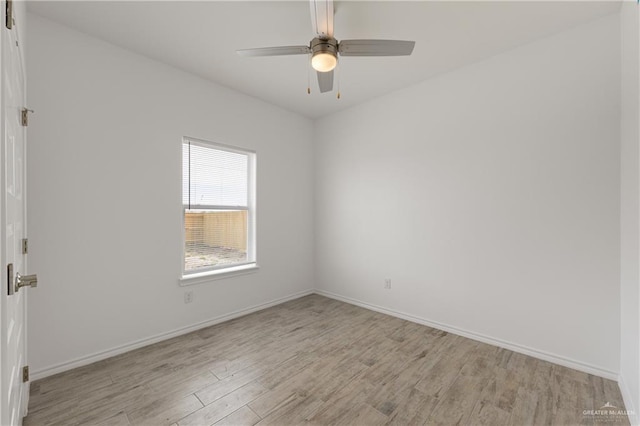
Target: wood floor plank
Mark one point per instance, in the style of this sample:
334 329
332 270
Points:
295 412
119 419
295 387
229 384
242 416
164 411
524 408
500 389
362 414
354 393
319 361
224 406
100 403
414 409
485 413
456 404
446 369
287 369
180 384
48 397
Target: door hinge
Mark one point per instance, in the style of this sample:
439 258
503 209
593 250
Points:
25 245
25 374
25 116
8 14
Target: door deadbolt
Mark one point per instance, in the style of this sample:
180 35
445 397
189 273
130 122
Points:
26 281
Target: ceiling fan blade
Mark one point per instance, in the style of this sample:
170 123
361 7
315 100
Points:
274 51
375 47
325 81
322 18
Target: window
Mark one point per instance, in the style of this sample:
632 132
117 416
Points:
218 193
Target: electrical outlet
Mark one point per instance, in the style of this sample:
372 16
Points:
188 296
387 283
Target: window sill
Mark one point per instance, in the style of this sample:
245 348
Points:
204 277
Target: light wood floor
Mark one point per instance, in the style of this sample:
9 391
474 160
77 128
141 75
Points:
319 361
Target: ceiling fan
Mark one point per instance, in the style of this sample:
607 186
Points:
325 49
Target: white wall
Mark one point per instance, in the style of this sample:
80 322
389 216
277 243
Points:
105 196
630 208
20 16
490 196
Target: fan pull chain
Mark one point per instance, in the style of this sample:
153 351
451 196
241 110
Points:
338 78
309 75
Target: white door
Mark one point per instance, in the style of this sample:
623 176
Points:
14 393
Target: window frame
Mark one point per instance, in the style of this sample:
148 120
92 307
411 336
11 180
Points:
218 272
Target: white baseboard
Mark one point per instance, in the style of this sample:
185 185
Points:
85 360
99 356
629 405
556 359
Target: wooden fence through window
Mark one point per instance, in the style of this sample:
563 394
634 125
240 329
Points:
226 229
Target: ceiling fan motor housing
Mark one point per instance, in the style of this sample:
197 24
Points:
329 45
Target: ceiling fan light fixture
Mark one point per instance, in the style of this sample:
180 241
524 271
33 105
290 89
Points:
324 54
324 61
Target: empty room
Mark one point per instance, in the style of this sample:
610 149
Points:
320 212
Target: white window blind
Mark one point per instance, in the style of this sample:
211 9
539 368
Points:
218 213
213 177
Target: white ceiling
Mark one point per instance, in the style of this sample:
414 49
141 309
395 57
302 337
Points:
201 38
